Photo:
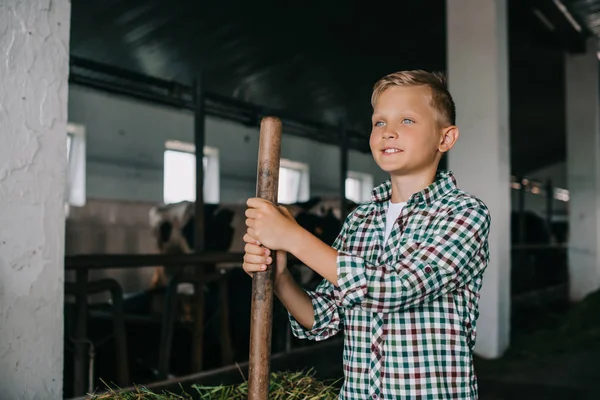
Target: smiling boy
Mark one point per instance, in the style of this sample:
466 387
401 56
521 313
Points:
402 279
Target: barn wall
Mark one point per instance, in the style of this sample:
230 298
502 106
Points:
126 140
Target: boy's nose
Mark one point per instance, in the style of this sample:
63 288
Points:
388 134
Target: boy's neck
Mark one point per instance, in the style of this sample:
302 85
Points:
404 186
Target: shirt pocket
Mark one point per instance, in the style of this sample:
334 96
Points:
405 248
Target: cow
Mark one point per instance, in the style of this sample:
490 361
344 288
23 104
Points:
173 227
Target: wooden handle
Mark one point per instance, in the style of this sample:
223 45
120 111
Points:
261 321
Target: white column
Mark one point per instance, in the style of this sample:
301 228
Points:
478 80
583 171
34 44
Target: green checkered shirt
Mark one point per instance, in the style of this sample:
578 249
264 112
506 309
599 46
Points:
407 307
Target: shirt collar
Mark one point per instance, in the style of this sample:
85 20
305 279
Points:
444 183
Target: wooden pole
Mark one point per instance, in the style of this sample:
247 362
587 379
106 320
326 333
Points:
262 282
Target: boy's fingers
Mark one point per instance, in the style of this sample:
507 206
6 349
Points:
256 202
257 259
285 211
251 267
251 233
249 239
257 250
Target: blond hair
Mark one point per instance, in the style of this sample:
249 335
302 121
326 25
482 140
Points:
441 100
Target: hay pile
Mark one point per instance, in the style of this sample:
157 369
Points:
283 385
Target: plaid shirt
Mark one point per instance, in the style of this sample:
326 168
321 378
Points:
407 307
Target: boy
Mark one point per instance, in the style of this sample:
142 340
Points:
403 276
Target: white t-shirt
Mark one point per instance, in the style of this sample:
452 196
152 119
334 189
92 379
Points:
393 212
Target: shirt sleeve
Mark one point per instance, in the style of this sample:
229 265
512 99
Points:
451 257
328 314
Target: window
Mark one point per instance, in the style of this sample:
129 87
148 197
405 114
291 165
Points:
359 186
293 182
179 180
75 184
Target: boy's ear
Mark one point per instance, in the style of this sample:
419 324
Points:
448 138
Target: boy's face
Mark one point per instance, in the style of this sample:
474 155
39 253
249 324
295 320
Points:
405 136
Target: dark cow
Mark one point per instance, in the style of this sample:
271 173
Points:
535 264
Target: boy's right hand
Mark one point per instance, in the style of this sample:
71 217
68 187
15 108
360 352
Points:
256 257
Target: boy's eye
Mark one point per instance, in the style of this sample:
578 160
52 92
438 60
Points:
407 121
378 123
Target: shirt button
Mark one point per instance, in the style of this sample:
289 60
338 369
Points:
428 269
374 396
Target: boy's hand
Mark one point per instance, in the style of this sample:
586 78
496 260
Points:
269 225
257 258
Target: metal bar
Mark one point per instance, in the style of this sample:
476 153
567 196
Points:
120 333
343 171
522 212
110 70
199 237
104 261
226 346
166 327
262 282
178 95
540 247
549 205
81 289
79 365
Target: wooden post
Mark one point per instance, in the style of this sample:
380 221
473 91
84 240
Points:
262 282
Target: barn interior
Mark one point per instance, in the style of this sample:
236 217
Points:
154 293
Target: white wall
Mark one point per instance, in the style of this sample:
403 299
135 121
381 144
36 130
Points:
126 139
33 121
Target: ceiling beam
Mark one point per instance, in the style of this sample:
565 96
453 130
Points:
555 16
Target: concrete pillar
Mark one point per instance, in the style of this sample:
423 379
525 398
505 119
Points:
478 80
583 171
33 113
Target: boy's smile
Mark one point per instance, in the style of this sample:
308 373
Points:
388 151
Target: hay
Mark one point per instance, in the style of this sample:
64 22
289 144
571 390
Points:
283 385
288 385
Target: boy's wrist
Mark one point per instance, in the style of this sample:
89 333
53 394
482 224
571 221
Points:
294 239
280 278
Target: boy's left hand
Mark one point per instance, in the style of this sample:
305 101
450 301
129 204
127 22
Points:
272 226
